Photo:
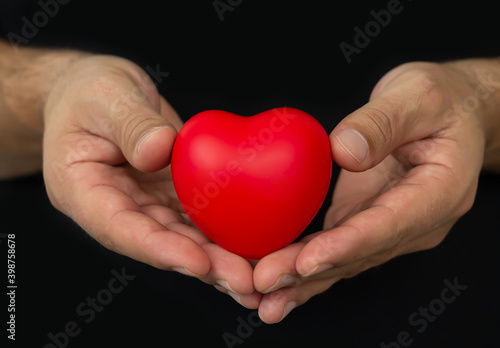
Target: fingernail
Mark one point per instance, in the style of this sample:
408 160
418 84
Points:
185 271
225 285
147 135
354 143
318 269
235 296
288 308
283 281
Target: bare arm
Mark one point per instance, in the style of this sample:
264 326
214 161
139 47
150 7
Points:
26 76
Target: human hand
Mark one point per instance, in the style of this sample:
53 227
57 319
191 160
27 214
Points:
108 137
411 158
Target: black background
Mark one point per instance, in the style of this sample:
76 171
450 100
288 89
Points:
263 54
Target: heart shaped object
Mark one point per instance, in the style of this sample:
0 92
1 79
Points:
252 184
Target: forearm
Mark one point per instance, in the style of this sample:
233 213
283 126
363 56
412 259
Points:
492 113
26 76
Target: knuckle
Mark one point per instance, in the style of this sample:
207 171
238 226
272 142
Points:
325 247
380 125
418 89
130 129
104 84
104 81
425 81
432 94
128 126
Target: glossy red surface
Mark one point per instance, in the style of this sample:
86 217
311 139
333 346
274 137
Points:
252 184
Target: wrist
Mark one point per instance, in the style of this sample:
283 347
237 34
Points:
26 77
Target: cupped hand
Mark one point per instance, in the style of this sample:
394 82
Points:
411 158
108 137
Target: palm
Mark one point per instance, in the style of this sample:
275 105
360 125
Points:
372 201
138 214
150 194
355 192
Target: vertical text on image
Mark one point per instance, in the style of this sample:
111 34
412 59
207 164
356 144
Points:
11 286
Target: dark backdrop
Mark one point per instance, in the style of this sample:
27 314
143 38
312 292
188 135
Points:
258 55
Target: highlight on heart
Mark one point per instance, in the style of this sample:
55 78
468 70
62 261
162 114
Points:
252 184
249 149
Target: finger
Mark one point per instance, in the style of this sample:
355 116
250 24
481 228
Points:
188 231
402 110
119 224
175 221
154 146
229 273
251 301
391 221
355 191
232 275
163 215
168 112
129 112
228 270
275 306
277 270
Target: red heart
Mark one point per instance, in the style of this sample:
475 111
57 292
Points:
252 184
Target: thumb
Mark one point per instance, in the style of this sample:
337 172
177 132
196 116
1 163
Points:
403 110
137 118
153 146
145 135
365 137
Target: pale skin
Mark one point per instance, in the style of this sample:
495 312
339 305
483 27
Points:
426 134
